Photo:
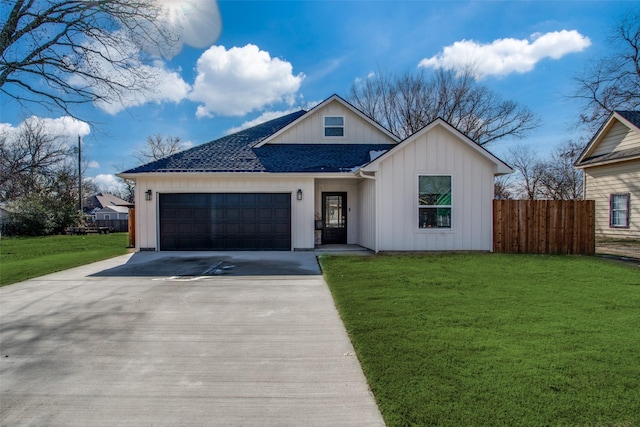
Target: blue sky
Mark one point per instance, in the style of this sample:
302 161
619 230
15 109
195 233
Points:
275 57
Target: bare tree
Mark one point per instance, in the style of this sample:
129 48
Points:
613 81
502 188
30 159
530 171
158 147
68 52
560 180
38 179
553 177
406 103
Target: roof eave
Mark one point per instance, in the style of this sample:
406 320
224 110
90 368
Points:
605 162
319 174
606 126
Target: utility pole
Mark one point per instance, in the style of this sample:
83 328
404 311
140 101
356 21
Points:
79 174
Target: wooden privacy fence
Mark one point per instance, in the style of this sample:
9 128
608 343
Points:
544 226
132 227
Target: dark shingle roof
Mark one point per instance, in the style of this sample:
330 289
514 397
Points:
231 153
629 153
236 153
632 116
316 157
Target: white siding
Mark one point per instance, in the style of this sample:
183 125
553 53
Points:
367 214
310 130
618 138
349 186
437 152
601 182
302 224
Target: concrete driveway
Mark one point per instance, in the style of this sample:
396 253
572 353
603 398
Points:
180 339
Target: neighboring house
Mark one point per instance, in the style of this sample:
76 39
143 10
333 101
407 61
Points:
104 206
611 165
266 187
112 212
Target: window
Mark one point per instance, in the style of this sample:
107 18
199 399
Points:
434 201
107 216
334 126
619 210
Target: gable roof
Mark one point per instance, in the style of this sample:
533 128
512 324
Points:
246 151
327 101
241 152
501 167
631 119
106 199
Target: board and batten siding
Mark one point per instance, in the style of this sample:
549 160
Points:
619 138
436 152
619 178
310 130
367 214
302 211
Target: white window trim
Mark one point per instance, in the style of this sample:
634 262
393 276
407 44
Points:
626 210
416 193
344 127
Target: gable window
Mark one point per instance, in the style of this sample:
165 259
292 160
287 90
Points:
334 126
619 210
434 201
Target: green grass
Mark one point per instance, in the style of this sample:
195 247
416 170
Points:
23 258
494 339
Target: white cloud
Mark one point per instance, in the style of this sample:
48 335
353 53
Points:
196 23
168 86
107 183
240 80
138 82
506 56
65 127
93 165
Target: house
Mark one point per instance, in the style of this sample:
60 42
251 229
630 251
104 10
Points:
112 212
104 206
611 167
329 175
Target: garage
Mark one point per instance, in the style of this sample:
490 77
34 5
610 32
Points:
225 221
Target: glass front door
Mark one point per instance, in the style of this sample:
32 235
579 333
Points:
334 217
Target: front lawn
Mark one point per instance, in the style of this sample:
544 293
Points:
494 339
23 258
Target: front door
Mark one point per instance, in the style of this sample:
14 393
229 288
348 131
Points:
334 217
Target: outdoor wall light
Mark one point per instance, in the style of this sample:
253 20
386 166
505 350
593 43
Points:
299 194
147 195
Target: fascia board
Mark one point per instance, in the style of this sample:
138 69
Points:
606 162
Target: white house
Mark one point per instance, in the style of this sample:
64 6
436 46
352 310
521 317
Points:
271 186
611 165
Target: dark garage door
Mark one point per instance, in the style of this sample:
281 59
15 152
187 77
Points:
225 221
